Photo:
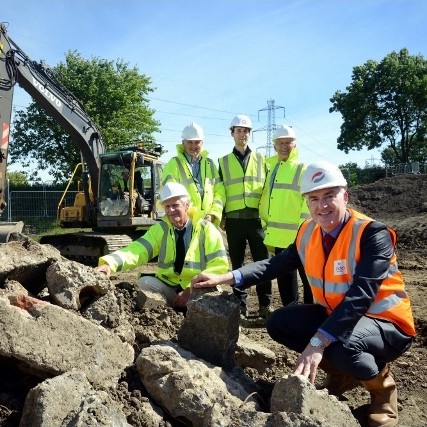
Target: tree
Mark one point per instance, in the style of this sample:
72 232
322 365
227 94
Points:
114 96
386 105
17 179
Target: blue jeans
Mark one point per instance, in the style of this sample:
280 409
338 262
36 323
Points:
371 344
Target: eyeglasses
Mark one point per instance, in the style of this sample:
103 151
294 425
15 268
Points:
284 143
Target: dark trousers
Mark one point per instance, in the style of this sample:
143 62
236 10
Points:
288 286
370 344
240 231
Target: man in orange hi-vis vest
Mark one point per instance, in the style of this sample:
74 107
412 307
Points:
361 319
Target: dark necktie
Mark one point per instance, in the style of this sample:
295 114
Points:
180 251
328 242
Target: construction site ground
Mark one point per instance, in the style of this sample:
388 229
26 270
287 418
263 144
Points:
399 201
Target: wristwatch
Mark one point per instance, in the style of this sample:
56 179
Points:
317 342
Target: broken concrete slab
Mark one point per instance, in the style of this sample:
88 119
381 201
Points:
26 261
73 285
50 340
210 329
294 393
148 299
186 385
70 400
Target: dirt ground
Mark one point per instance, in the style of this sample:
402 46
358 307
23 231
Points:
399 201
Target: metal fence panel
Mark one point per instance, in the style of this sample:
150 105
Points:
37 209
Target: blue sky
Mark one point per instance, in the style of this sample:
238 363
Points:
211 60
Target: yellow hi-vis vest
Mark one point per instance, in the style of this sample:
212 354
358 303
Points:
242 189
206 252
178 170
331 278
282 208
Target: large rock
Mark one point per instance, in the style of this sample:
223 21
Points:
51 341
69 400
296 394
26 261
187 386
216 343
73 285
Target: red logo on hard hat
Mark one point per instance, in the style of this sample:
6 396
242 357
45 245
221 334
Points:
317 177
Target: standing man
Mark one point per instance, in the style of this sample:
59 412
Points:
192 168
243 173
184 248
283 209
361 319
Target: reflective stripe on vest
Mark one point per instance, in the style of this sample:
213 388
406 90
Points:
294 185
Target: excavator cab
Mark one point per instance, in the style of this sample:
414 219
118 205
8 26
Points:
129 185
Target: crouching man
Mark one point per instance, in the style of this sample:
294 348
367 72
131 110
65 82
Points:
183 248
361 319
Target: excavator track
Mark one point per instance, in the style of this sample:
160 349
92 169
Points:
87 247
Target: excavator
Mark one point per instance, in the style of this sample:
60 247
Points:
119 195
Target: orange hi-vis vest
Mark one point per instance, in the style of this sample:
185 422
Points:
330 278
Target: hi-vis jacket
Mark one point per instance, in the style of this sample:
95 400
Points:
331 278
243 188
206 252
213 200
282 208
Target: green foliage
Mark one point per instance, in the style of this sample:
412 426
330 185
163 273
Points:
357 176
386 105
17 179
115 98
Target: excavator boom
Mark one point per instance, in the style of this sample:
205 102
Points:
102 205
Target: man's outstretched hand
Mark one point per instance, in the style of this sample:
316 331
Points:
210 280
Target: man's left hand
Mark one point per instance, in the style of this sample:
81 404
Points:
307 363
182 298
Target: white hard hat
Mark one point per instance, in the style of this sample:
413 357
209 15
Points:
193 132
321 174
284 131
172 189
242 121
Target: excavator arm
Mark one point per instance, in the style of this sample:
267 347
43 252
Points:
39 82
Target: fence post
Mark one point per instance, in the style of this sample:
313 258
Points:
9 204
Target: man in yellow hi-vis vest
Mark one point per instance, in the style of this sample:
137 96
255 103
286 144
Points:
283 209
202 248
193 168
243 173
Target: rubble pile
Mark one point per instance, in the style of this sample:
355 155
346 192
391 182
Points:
85 352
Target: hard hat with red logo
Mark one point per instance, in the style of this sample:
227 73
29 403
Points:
193 132
284 131
242 121
173 189
320 175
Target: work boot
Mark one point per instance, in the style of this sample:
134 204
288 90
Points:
383 409
265 310
336 382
